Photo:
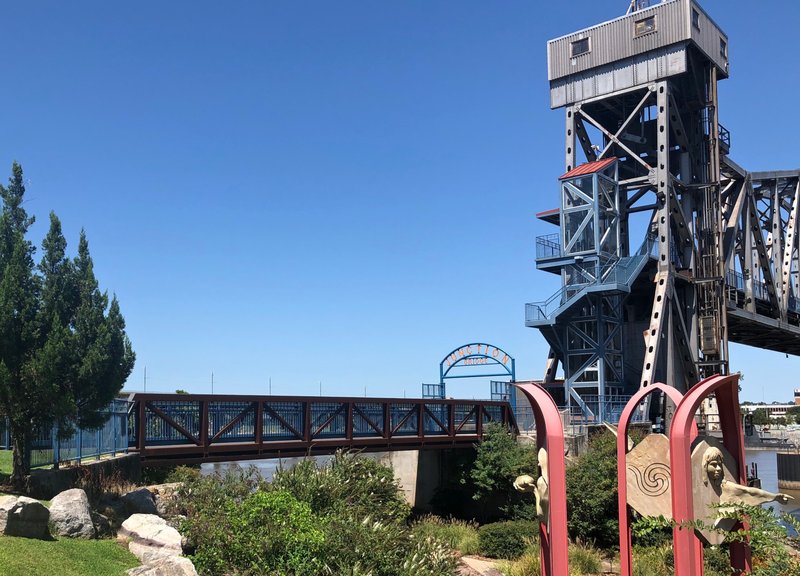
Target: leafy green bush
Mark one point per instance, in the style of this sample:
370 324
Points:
506 540
270 532
348 484
346 518
716 561
457 534
499 460
769 541
592 493
649 531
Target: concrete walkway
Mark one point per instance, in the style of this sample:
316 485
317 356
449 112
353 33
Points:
474 566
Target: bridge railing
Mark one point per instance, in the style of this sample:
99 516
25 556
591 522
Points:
218 427
49 448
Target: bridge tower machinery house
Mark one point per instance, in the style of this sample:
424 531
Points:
666 248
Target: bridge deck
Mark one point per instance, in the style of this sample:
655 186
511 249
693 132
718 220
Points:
180 428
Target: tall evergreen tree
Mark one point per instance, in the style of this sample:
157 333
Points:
64 353
19 299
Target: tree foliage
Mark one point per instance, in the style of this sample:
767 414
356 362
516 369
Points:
793 415
64 353
346 517
760 417
499 460
592 493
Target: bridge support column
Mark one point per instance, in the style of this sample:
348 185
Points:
418 472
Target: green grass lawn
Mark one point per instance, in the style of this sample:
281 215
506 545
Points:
65 557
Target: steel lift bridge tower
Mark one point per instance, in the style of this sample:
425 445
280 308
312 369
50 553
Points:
666 248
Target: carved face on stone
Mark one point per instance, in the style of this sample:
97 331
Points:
712 463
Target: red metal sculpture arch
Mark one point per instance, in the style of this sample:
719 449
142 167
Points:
726 390
626 564
550 436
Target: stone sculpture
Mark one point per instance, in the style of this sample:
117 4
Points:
731 492
540 487
713 489
648 479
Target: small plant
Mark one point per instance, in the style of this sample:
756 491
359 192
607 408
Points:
584 559
529 564
97 483
650 531
506 540
457 534
652 561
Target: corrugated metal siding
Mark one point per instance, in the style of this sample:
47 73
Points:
640 70
708 37
616 40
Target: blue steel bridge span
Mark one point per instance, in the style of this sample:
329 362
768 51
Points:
183 428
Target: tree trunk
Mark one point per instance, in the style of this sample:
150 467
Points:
22 458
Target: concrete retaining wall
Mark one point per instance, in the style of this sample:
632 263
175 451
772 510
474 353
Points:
45 484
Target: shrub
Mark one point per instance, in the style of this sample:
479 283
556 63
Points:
271 532
592 493
96 482
499 460
769 541
457 534
506 540
716 562
652 561
383 549
584 559
649 531
526 565
344 519
348 484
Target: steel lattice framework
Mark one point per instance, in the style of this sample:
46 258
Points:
667 248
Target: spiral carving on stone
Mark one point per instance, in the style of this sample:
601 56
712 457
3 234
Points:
653 480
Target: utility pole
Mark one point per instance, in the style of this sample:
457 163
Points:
270 385
145 378
212 383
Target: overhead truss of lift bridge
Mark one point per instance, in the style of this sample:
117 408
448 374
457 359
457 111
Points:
667 249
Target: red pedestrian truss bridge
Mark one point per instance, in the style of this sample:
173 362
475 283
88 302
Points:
183 428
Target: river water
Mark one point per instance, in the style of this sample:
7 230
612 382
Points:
767 462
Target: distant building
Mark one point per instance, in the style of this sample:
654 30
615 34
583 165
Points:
708 413
773 410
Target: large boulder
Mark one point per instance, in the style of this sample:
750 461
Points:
168 566
149 537
102 525
71 515
164 495
140 501
23 517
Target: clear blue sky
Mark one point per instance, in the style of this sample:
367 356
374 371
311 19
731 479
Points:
330 191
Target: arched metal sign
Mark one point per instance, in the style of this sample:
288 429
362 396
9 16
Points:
476 354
